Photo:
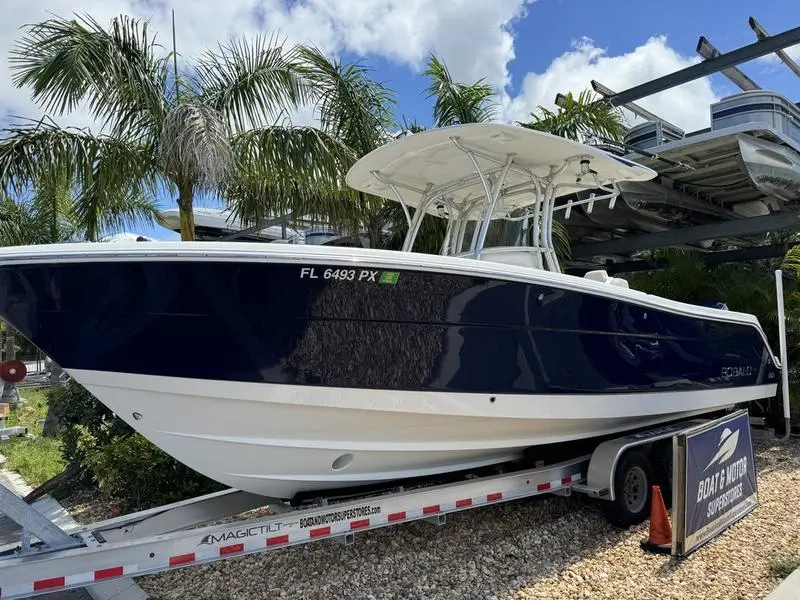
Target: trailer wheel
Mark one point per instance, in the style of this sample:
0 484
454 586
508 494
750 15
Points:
661 458
632 480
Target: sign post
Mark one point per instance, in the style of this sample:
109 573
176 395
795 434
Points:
715 480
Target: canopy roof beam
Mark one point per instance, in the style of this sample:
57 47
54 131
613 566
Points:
762 34
734 74
760 48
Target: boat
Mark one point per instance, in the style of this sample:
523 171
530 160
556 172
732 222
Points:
284 370
214 224
745 164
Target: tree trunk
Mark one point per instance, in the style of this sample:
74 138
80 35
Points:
185 202
374 232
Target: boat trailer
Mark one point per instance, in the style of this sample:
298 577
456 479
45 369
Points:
48 559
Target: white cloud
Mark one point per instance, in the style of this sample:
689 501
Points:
686 106
472 36
774 61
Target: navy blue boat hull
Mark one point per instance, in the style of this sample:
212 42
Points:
263 322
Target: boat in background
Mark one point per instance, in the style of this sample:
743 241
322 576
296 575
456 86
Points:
746 164
282 369
212 224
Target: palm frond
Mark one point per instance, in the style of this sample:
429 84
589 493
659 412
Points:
353 107
29 153
99 170
251 83
52 204
22 225
579 117
687 279
194 146
281 170
130 208
42 216
457 103
412 126
70 61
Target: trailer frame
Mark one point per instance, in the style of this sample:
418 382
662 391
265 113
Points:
168 537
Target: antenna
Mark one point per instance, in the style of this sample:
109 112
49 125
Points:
174 56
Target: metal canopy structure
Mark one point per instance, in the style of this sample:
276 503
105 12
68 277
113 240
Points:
708 51
762 47
726 186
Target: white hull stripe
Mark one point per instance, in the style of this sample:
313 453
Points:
258 543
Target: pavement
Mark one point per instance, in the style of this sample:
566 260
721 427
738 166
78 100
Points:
788 589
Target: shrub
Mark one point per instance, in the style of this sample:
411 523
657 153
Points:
79 415
140 475
109 454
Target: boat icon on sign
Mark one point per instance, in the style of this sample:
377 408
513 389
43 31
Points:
726 448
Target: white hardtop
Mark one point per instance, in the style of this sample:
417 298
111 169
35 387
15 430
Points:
440 162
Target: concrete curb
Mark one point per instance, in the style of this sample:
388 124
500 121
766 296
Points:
788 589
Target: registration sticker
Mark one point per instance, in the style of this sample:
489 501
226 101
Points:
389 277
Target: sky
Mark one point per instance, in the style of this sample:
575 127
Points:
528 50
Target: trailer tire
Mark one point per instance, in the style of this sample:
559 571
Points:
633 478
661 459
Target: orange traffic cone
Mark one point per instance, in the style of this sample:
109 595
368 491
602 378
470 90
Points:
660 539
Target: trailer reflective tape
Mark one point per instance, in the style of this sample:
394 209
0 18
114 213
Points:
319 532
276 540
232 549
181 559
494 497
49 584
433 508
359 524
398 516
567 480
102 574
464 502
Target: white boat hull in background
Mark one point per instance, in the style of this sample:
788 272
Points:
278 440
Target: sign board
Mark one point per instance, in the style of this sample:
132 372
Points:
715 478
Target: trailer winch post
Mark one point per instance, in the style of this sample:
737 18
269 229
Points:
784 359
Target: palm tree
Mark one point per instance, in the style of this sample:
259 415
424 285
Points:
579 118
458 103
356 117
455 103
161 129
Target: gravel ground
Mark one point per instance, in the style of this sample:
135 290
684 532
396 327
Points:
547 547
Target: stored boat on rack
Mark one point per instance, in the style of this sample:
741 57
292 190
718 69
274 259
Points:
279 369
746 164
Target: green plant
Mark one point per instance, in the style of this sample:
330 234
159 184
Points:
783 566
80 414
36 459
139 475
